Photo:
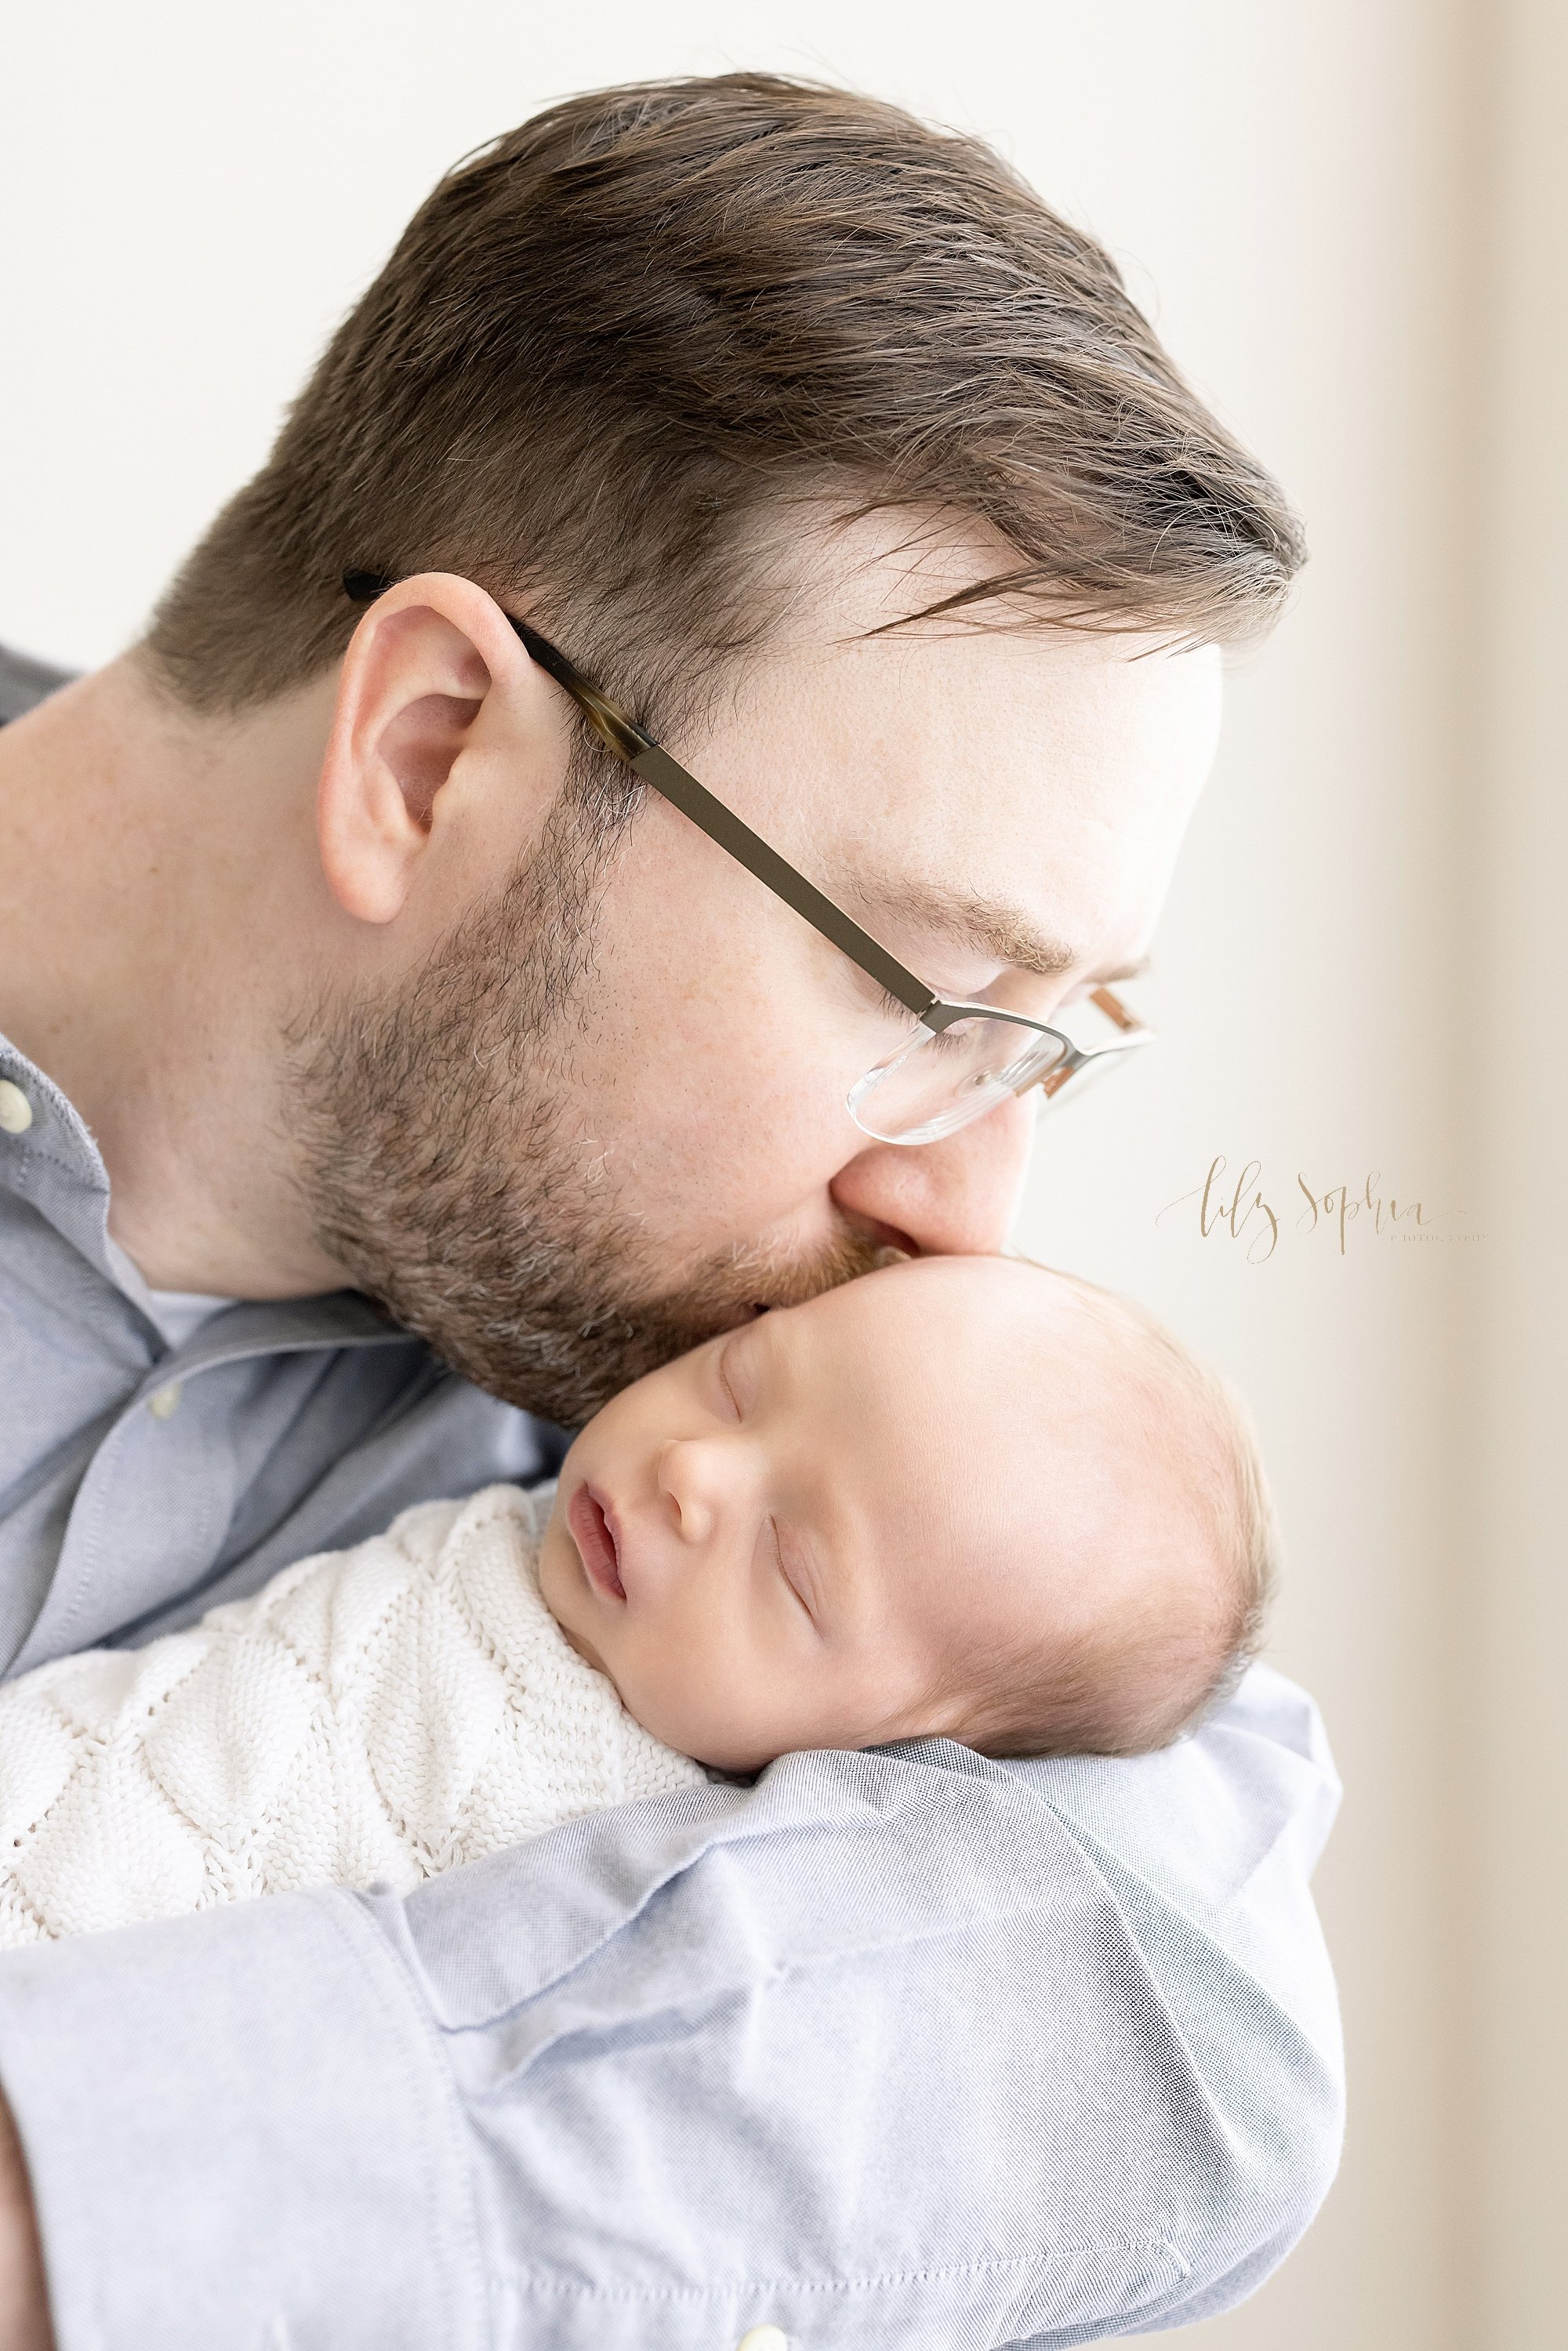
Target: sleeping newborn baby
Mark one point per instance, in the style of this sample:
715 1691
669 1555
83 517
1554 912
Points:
959 1497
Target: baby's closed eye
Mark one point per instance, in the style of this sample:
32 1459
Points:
794 1568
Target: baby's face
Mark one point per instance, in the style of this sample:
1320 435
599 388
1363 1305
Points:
772 1542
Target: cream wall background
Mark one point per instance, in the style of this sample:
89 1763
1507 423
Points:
1348 217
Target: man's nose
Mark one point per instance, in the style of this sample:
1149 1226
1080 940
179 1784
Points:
953 1198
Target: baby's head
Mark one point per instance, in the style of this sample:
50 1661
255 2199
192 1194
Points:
962 1497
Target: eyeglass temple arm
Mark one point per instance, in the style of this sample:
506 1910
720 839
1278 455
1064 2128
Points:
1110 1005
694 801
655 765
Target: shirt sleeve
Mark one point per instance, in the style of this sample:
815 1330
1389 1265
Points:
893 2048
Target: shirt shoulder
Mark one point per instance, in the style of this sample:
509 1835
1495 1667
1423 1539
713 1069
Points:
24 682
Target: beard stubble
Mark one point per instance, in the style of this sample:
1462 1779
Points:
433 1155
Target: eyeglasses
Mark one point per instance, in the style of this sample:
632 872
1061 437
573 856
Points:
966 1060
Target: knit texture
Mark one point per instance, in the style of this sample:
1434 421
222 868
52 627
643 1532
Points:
373 1716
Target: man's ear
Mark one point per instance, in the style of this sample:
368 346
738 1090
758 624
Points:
429 662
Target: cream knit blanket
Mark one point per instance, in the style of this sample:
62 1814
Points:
372 1715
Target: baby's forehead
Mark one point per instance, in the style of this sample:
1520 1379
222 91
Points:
1002 1352
982 1350
945 1301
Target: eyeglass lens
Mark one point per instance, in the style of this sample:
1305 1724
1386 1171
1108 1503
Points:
938 1084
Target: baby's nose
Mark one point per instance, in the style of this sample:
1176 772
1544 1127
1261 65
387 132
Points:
691 1480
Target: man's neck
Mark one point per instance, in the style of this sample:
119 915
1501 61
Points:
156 866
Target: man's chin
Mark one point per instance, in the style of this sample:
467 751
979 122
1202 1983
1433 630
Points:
563 1347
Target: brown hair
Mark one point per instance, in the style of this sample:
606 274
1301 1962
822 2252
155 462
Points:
1126 1682
615 339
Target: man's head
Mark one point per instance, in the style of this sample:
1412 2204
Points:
850 470
964 1498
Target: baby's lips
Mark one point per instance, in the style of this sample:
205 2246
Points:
593 1531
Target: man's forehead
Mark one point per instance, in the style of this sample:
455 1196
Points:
1038 830
1014 793
931 717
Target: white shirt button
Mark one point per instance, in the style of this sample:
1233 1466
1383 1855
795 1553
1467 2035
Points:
163 1401
16 1110
763 2338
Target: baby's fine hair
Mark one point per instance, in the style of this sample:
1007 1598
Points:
1130 1683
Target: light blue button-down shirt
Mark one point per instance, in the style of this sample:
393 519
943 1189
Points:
895 2050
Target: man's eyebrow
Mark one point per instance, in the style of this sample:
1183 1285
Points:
1005 931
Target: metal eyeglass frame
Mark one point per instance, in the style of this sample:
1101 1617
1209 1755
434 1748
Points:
653 766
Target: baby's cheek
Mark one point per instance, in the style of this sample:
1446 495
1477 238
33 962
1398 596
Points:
699 1707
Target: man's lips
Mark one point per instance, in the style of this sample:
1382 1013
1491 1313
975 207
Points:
593 1532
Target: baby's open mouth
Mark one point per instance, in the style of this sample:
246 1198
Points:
593 1532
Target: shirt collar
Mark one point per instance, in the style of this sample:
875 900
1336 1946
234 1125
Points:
53 1164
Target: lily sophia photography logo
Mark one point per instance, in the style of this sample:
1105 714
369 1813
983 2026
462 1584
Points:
1257 1215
